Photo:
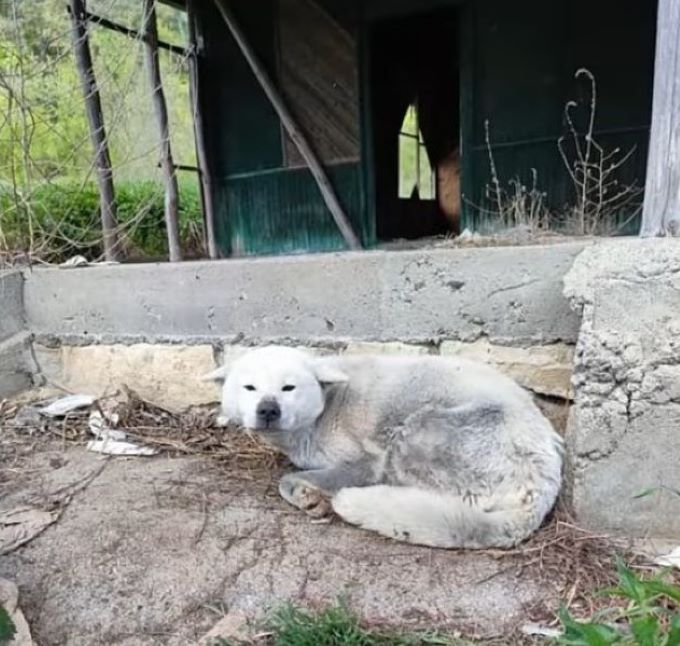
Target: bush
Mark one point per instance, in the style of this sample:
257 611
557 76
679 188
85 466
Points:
650 616
61 219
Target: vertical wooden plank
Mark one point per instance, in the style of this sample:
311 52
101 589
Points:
199 136
467 38
661 211
95 118
150 32
367 152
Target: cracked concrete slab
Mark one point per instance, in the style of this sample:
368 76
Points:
156 551
623 434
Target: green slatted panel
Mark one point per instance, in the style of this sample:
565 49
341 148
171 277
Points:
283 212
243 128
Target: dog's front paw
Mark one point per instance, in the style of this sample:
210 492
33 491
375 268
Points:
305 496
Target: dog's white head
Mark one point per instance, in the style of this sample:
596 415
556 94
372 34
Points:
275 389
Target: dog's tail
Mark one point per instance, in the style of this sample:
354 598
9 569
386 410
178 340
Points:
426 517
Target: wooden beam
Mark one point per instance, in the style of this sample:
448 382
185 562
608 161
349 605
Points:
199 138
161 110
95 118
661 211
132 33
295 133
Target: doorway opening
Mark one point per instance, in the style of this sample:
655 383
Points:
415 114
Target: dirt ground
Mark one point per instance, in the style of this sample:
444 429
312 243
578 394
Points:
157 550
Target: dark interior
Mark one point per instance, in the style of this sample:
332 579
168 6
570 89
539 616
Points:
413 58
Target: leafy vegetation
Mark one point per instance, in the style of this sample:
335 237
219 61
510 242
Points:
337 626
47 191
62 220
7 628
650 616
645 611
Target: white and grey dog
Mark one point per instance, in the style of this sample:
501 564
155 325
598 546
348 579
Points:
434 451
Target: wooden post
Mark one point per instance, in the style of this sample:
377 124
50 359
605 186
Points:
295 133
661 211
95 118
150 31
199 137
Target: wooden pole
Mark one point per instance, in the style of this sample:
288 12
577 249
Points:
295 133
161 109
199 137
661 210
95 118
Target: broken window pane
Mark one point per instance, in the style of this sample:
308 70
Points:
416 176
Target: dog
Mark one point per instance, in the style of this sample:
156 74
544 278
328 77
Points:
435 451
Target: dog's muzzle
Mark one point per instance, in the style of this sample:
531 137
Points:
268 413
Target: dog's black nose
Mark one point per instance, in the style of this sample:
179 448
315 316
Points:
268 410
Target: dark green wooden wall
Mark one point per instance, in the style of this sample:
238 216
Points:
261 205
518 61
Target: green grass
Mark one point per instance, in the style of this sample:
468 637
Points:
337 626
645 612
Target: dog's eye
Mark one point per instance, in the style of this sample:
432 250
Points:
249 387
288 388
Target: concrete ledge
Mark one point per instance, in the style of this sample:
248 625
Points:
512 295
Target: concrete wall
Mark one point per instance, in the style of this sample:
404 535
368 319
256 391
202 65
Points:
511 295
16 364
158 328
624 431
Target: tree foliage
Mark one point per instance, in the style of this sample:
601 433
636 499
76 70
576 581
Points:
45 147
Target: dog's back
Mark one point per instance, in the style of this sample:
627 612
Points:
468 459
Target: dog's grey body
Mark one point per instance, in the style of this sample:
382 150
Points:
434 451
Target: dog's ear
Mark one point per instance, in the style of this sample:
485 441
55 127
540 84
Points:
327 374
220 374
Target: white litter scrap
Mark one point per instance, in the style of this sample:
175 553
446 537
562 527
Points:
65 405
536 630
111 441
81 261
100 426
672 559
118 447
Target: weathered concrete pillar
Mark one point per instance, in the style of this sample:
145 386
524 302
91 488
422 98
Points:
16 363
624 430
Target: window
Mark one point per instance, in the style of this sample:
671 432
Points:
416 177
